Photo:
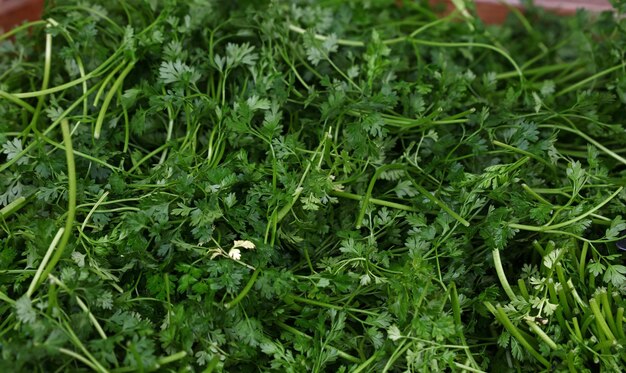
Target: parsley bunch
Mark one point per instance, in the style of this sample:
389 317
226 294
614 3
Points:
311 186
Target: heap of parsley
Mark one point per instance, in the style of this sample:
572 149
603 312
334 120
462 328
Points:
298 186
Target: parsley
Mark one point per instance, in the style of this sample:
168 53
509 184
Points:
299 186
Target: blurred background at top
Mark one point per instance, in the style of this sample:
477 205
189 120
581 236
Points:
15 12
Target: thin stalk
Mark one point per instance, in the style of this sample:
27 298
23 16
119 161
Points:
109 97
363 366
515 332
370 188
439 203
589 79
545 228
328 305
35 282
469 45
245 290
297 332
606 308
71 192
536 70
619 317
374 201
172 358
78 357
456 312
16 100
12 207
502 276
93 209
44 84
523 152
544 337
52 126
20 28
600 321
96 72
589 139
105 83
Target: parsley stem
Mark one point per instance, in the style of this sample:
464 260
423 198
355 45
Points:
600 320
54 124
298 333
62 87
438 202
20 28
78 357
374 201
346 42
370 188
35 282
5 298
172 358
79 154
478 45
523 152
245 290
71 192
12 207
497 262
105 83
456 312
589 139
109 97
589 79
16 100
606 308
537 70
533 193
327 305
516 333
619 316
44 85
553 227
544 337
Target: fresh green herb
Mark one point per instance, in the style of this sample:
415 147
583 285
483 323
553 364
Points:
311 186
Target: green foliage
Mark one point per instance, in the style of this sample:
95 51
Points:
299 186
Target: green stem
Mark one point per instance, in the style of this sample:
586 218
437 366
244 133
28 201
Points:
172 358
545 228
16 100
600 321
515 332
109 97
72 190
35 282
589 79
589 139
12 207
374 201
370 188
502 276
297 332
21 28
328 305
52 126
544 337
438 202
523 152
619 316
245 290
469 45
456 312
79 357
